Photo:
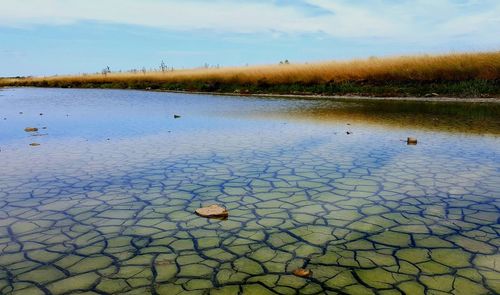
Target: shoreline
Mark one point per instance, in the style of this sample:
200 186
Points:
337 97
349 98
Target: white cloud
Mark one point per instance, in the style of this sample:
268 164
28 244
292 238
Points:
418 20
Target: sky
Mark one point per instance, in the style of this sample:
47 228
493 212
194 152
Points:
49 37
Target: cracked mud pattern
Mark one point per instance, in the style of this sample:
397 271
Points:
367 214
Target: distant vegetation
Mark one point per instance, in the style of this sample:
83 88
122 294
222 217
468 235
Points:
460 75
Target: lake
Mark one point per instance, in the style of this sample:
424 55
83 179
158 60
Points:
105 204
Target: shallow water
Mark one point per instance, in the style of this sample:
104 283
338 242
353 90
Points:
105 204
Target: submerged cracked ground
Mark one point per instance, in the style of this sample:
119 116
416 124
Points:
105 204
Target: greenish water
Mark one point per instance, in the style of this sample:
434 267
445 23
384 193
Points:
105 204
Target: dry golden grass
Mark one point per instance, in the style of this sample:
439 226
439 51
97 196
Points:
448 67
470 75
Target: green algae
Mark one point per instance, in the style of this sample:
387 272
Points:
79 282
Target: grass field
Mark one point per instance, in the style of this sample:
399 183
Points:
459 75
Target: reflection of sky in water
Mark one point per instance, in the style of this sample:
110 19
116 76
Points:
364 211
94 113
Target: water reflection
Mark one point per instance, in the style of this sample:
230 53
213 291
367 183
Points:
472 118
365 212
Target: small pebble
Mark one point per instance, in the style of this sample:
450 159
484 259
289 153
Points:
302 272
31 129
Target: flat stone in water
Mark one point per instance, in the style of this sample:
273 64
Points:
213 211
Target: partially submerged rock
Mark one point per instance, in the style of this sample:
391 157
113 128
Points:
31 129
411 141
212 211
302 272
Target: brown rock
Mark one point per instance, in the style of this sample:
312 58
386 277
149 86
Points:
31 129
302 272
212 211
411 141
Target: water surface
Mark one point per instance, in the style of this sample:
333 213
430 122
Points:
105 204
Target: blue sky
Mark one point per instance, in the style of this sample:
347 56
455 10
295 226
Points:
46 37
